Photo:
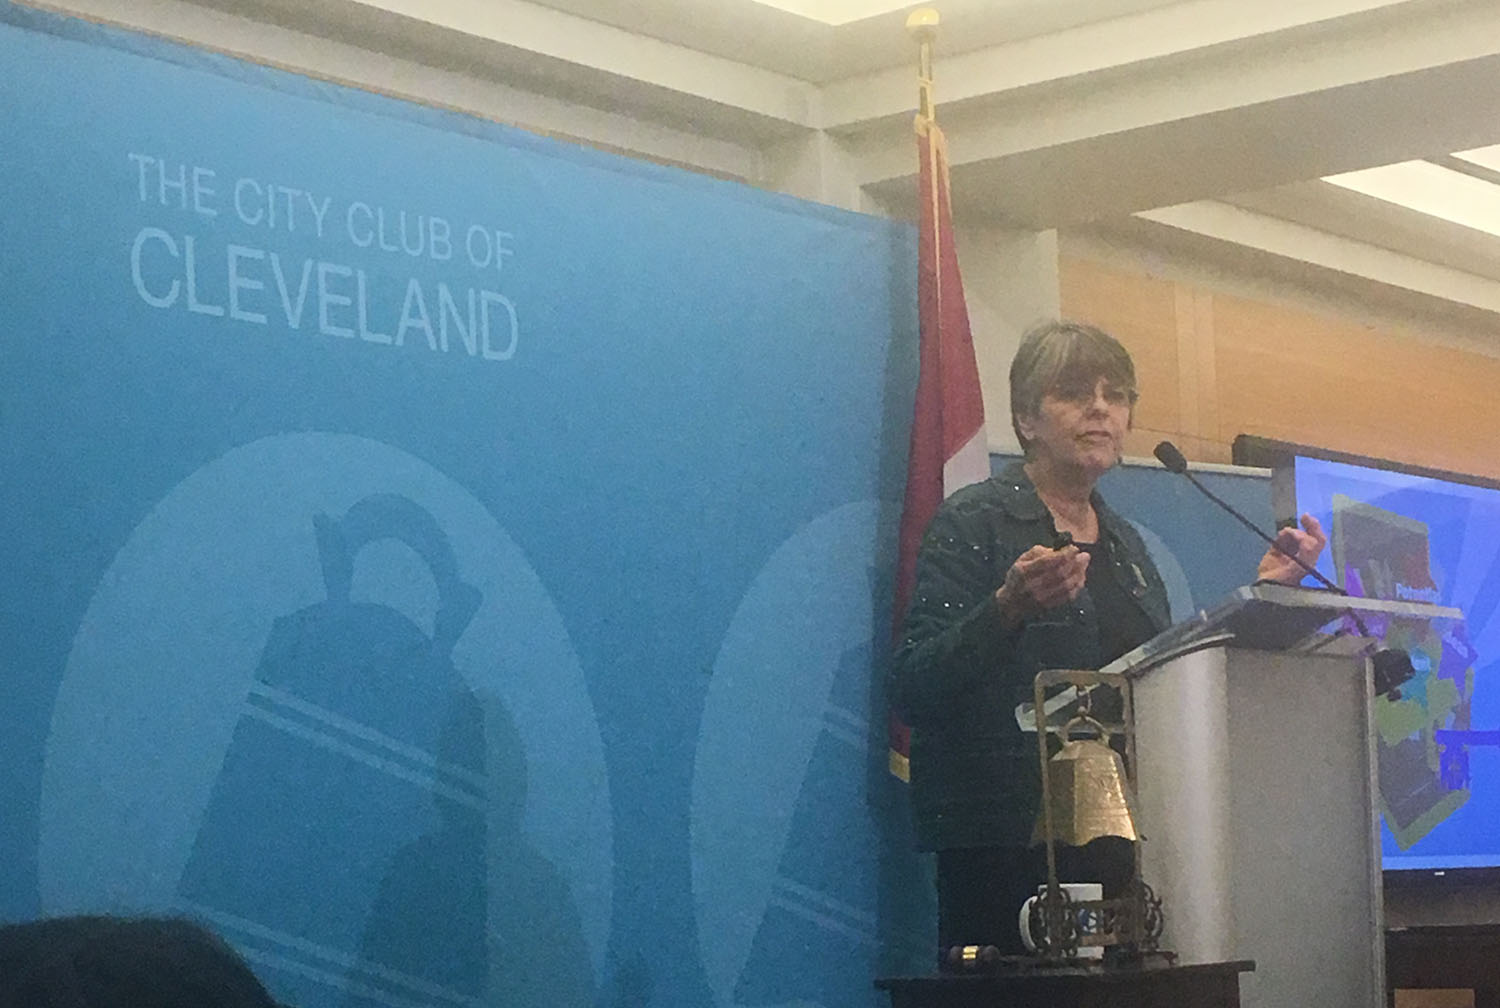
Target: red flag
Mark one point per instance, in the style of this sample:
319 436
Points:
948 447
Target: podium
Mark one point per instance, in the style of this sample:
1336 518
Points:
1258 795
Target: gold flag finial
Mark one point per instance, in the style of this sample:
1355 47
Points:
922 26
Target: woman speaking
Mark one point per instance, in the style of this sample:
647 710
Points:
1028 570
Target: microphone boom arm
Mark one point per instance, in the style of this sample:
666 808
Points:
1173 460
1318 575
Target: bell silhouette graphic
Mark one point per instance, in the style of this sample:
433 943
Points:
358 744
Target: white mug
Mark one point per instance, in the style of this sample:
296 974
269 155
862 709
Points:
1087 920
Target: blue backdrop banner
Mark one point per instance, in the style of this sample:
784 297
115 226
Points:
450 563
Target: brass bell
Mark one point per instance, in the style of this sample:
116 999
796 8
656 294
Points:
1087 792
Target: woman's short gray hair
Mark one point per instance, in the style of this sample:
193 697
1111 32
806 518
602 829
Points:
1055 354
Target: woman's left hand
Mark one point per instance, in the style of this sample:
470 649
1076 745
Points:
1307 543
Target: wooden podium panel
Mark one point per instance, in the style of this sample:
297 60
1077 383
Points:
1436 966
1203 985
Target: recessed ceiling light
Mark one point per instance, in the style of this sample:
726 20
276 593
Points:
1430 189
836 12
1484 157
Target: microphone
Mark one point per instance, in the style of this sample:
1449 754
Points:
1168 455
1391 667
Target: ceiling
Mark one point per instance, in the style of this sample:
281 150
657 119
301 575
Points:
834 12
1217 119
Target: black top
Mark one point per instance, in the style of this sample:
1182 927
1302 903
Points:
1116 589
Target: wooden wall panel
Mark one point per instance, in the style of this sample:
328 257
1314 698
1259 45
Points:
1214 365
1437 997
1320 380
1141 312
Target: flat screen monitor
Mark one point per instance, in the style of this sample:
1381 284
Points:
1414 534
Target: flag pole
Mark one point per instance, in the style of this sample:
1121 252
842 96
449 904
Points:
922 26
948 449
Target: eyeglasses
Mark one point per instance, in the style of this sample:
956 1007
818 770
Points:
1082 394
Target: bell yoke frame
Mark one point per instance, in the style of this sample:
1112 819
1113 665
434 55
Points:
1131 921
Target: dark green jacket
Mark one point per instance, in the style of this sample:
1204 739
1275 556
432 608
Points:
958 675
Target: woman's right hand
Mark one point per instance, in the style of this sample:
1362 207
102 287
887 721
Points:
1041 579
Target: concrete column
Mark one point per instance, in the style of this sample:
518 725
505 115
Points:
815 166
1010 284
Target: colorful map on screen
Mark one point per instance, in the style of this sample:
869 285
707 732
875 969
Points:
1412 538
